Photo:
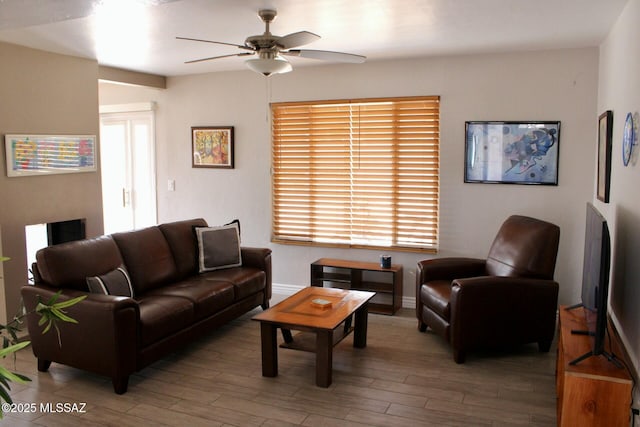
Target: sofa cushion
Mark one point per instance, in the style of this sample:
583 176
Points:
246 281
115 282
163 315
148 258
183 244
89 257
218 247
208 297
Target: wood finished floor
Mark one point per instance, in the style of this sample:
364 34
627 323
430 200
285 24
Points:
402 378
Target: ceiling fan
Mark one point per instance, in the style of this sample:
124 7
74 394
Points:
271 49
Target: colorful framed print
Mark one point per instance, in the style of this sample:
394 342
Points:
512 152
49 154
212 147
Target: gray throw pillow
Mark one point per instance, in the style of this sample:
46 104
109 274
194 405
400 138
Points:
116 282
218 247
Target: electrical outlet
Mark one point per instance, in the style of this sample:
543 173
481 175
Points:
171 185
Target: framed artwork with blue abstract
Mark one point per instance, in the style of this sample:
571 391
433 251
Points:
509 152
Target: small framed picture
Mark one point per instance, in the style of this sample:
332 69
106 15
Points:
512 152
605 130
212 147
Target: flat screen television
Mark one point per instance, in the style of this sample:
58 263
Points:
595 282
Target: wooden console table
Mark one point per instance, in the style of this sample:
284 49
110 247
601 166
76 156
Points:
362 276
594 392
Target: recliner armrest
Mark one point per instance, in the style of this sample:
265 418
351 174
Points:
492 309
501 294
504 287
449 269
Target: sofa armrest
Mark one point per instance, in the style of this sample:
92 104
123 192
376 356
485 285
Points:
259 258
495 310
104 341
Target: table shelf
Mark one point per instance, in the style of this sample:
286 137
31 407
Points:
362 276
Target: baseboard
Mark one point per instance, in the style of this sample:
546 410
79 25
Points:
409 302
284 290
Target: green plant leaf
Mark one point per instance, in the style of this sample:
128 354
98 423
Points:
4 394
11 376
69 303
4 383
54 298
12 349
59 314
23 377
48 327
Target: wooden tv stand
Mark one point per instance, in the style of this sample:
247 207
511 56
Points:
593 392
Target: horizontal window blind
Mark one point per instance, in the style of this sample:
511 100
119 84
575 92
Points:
360 173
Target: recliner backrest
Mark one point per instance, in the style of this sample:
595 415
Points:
524 247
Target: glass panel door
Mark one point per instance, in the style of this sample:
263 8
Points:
128 171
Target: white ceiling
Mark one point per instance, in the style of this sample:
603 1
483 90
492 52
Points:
140 34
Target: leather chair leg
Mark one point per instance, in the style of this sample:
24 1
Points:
544 346
422 327
120 384
459 356
43 365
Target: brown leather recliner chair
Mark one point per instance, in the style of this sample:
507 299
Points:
508 299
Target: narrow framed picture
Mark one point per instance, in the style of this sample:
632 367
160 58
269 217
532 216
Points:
605 131
512 152
212 147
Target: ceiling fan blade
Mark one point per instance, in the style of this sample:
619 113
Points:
296 39
326 55
211 41
217 57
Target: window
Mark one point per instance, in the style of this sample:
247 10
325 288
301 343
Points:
361 173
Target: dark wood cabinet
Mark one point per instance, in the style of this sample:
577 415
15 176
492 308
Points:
362 276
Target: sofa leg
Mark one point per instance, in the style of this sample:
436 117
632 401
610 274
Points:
265 305
120 384
459 356
422 327
544 346
43 365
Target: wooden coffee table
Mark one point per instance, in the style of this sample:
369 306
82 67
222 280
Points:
320 326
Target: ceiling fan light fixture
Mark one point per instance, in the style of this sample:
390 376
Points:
268 66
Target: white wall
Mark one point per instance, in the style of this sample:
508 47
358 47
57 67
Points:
619 91
551 85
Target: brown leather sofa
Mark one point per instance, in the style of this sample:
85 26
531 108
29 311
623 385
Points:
507 299
172 305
